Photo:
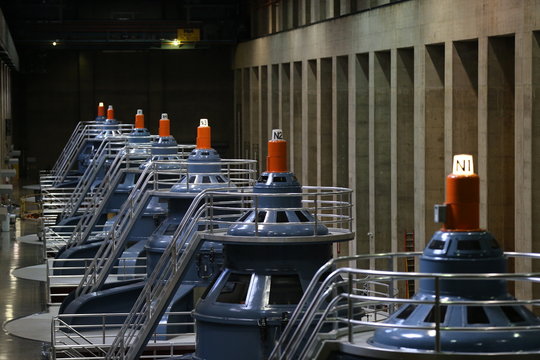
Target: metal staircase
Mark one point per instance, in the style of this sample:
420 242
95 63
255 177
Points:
339 300
107 149
86 224
96 274
67 153
79 346
66 162
239 172
162 283
68 157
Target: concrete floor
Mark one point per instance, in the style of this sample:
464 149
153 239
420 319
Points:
19 297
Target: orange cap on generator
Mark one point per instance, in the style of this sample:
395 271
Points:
462 196
276 161
101 109
139 119
164 126
110 112
204 135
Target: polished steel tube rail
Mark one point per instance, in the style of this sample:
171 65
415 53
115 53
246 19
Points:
320 303
160 286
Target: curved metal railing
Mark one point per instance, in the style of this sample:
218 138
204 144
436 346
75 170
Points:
337 297
152 182
126 160
76 143
107 151
204 209
90 202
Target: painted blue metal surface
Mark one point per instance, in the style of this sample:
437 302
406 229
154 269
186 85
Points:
252 299
204 171
151 217
462 252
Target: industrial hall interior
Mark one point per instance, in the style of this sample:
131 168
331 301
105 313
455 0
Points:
269 179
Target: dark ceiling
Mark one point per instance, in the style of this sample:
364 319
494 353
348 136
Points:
124 24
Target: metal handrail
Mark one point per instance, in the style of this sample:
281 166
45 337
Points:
88 221
111 249
68 148
126 160
129 211
93 337
107 149
298 339
159 287
89 132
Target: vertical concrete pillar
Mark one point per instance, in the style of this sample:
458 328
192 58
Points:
465 98
420 94
340 122
297 119
324 123
500 166
371 158
526 133
246 115
433 142
481 164
310 140
238 120
285 103
362 149
277 16
315 10
263 114
528 96
340 129
329 8
381 152
393 151
274 107
304 12
448 105
271 18
255 110
351 141
403 147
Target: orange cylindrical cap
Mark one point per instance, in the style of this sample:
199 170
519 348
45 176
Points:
101 109
204 135
462 202
164 126
110 112
276 161
139 120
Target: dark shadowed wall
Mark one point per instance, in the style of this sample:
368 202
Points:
59 88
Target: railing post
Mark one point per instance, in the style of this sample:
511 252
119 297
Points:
437 315
103 327
256 216
391 285
211 210
316 223
349 308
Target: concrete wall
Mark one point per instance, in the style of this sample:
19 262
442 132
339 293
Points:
61 88
411 84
